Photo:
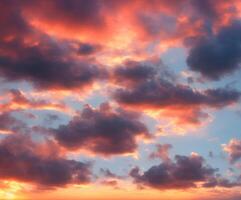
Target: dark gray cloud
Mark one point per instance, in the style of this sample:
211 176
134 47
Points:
183 173
25 160
104 131
134 72
47 65
150 88
217 55
29 54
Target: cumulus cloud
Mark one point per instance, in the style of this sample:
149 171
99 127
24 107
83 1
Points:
185 172
217 55
47 65
105 131
31 55
151 89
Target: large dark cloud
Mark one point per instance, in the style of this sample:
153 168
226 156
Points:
47 64
104 131
217 55
159 93
31 55
25 160
185 172
151 88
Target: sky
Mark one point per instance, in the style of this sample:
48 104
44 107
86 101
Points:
122 99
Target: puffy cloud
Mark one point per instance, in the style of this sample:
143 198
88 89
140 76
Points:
185 172
233 149
150 88
104 131
217 55
159 93
31 55
47 65
23 159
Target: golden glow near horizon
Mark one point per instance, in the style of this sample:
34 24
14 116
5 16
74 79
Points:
131 192
12 190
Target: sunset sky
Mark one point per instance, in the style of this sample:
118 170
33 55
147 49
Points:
120 99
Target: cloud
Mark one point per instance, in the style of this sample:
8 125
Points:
185 172
162 152
11 19
75 13
47 65
134 73
23 159
160 93
31 55
108 174
9 124
156 89
87 49
217 55
104 131
18 101
233 149
221 182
